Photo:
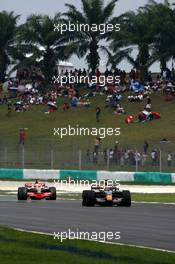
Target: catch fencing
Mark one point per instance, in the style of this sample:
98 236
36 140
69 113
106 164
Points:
49 157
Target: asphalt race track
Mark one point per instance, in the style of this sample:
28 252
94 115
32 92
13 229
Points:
151 225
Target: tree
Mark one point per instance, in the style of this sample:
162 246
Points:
87 43
163 27
136 32
46 45
8 49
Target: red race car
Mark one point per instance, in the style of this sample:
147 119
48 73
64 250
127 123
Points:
36 191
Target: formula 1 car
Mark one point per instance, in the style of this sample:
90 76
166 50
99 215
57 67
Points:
107 196
36 191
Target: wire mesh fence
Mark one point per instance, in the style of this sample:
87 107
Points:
48 157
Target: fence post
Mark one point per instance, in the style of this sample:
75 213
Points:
51 158
79 159
23 157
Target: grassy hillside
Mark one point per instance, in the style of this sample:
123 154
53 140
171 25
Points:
40 127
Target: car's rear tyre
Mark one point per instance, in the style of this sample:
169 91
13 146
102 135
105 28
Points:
126 199
22 193
88 198
84 198
53 193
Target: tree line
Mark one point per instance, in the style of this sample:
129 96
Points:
150 30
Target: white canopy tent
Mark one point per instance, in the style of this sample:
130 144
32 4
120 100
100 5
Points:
64 66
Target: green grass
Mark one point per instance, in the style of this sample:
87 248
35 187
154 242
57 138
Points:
154 197
40 139
22 247
40 126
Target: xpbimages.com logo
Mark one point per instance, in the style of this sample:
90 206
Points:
72 27
85 131
88 184
84 235
102 80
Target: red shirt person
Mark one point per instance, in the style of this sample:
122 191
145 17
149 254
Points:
22 136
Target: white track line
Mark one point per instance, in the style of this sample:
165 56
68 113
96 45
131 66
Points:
142 202
105 242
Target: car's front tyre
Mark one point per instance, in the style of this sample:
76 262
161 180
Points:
22 193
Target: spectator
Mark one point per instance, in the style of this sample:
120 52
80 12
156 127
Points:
97 144
98 112
9 108
148 105
131 157
145 147
153 157
138 158
119 110
126 157
22 136
111 154
144 158
122 160
95 156
169 159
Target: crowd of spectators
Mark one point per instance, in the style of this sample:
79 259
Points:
128 156
29 87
